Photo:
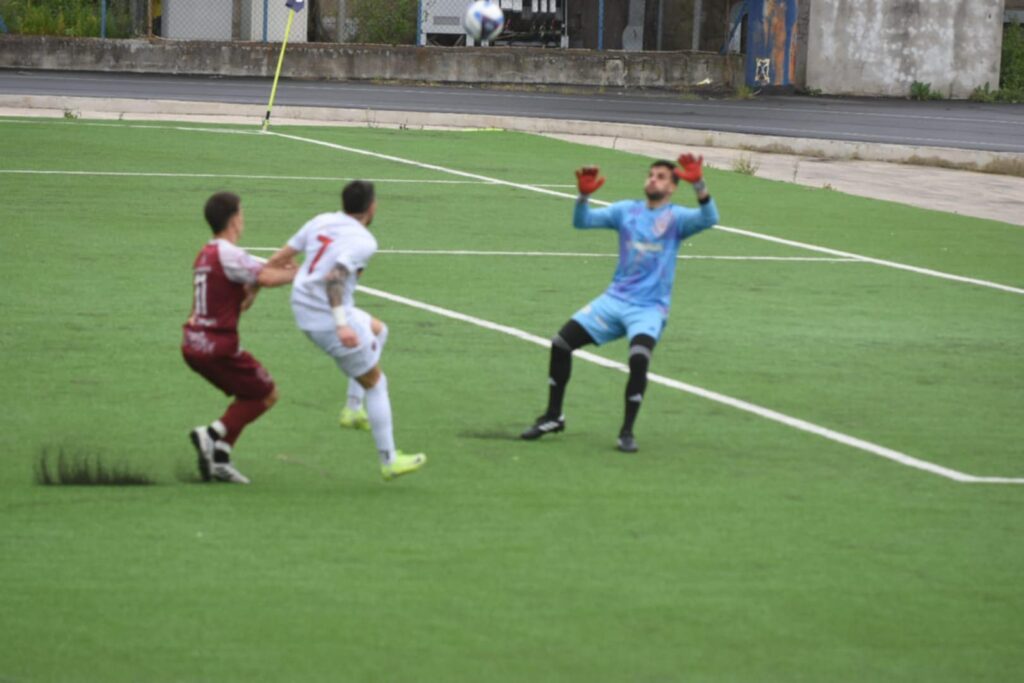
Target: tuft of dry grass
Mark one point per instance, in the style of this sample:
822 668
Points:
746 164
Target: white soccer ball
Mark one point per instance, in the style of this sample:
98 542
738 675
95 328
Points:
484 20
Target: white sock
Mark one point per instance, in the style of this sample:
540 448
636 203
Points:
218 427
356 393
378 406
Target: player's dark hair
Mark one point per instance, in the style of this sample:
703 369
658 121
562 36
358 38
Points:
665 163
219 210
357 196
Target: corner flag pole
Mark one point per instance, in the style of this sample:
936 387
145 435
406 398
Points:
294 6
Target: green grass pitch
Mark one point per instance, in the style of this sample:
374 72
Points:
731 548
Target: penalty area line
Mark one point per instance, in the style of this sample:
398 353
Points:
154 174
737 231
577 254
738 404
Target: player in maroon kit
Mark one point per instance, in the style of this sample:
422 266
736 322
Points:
226 279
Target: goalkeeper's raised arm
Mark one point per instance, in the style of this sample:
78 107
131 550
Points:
690 170
589 181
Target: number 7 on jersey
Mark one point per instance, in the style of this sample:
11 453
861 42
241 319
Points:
325 242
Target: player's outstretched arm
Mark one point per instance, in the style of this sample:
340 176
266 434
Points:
335 283
275 277
691 170
589 181
283 258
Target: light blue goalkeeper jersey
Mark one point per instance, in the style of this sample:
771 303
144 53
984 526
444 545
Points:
648 245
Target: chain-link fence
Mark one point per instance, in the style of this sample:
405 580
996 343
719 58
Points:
245 20
712 25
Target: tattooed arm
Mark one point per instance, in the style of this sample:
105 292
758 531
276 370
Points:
335 283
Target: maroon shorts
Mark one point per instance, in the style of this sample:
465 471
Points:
239 375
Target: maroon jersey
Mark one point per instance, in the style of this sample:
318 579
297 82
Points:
220 273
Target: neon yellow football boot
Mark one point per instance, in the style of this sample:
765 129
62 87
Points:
354 419
402 464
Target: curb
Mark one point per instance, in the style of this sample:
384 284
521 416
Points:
1007 163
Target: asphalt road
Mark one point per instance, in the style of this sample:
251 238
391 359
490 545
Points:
965 125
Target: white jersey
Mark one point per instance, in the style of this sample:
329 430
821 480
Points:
327 240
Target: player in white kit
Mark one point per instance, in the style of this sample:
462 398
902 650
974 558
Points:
337 247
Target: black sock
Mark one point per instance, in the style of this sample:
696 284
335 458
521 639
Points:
221 456
571 337
639 361
558 378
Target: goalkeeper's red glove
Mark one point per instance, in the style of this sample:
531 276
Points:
588 181
690 168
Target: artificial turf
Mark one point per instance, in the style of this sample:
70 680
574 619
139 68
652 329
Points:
731 548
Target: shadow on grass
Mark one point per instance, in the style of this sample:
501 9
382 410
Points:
489 435
84 468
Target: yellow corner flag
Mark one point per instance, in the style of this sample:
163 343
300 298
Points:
294 6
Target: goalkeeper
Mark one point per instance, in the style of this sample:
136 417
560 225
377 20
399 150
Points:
636 304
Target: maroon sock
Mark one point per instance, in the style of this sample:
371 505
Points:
239 414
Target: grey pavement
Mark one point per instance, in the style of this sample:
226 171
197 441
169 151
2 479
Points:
964 125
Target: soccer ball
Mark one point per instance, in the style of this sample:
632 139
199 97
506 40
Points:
484 20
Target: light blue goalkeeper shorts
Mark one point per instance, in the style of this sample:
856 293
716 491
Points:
606 319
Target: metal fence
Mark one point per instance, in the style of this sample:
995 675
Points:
594 24
246 20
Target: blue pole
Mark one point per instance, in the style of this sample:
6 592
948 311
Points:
103 19
600 24
266 19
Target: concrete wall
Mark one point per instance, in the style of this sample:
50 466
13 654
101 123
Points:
880 47
522 66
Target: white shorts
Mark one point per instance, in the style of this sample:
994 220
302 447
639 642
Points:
354 362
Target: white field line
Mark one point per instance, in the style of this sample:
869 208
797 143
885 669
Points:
745 233
739 404
876 261
571 254
20 171
545 190
745 406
